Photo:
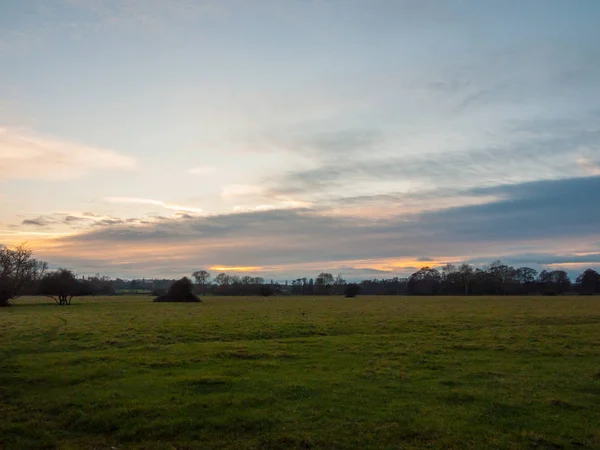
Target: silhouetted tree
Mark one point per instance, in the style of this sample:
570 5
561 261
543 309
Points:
202 278
223 279
450 282
589 282
553 282
425 281
526 276
100 285
18 270
323 283
61 286
465 275
338 284
180 291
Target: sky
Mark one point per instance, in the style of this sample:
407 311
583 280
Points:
152 138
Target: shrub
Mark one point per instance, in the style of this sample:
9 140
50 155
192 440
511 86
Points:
180 291
352 290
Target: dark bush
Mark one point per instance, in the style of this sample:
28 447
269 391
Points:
159 292
352 290
266 290
180 291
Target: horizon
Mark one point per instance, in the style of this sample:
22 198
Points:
153 139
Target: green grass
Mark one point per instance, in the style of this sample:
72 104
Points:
370 372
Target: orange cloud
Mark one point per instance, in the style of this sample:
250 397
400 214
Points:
237 269
29 156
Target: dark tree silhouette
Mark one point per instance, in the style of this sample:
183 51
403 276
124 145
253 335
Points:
424 282
202 278
18 270
589 282
61 286
180 291
324 283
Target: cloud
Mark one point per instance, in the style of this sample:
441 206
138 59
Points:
38 222
28 156
148 201
75 219
523 151
236 268
202 170
316 139
589 166
539 217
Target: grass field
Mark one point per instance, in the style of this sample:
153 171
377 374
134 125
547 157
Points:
370 372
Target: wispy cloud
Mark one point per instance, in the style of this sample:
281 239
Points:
25 155
40 222
517 151
148 201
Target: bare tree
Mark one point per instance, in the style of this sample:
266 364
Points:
202 278
223 279
338 284
18 268
465 272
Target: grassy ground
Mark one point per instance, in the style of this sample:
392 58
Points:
370 372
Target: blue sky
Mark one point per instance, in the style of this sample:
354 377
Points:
156 137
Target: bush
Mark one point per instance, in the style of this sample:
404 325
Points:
266 290
352 290
159 292
62 286
180 291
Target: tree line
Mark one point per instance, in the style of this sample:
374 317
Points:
464 279
22 274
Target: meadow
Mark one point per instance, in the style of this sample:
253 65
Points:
301 372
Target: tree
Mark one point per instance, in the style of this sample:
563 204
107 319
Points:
561 281
554 282
425 281
180 291
465 274
324 282
589 282
223 279
18 269
61 286
352 290
526 276
338 284
451 280
501 277
202 278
